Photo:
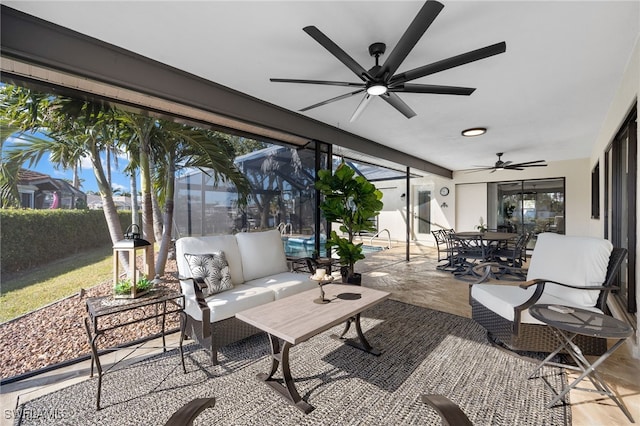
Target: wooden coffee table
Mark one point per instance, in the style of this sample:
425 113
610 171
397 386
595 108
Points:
297 318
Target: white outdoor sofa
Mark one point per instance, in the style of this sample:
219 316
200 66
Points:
259 273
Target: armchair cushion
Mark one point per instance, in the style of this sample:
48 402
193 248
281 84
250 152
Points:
213 268
502 299
262 254
577 261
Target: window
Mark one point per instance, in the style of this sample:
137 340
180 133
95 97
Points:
595 192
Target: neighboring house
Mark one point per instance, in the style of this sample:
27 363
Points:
40 191
94 202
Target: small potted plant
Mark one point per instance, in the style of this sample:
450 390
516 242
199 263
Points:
482 227
353 202
126 289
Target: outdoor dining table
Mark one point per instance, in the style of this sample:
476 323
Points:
488 236
491 240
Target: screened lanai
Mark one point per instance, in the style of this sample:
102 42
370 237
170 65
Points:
282 195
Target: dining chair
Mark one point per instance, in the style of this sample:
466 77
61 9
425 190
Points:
510 254
441 245
446 249
470 251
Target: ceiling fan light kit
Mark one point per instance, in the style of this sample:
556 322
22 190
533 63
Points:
382 80
476 131
377 89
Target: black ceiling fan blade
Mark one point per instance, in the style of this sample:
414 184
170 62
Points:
395 101
328 83
328 101
411 36
431 88
454 61
336 51
530 163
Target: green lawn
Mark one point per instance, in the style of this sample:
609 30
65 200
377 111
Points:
30 290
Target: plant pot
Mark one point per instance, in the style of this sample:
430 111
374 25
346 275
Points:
355 279
344 271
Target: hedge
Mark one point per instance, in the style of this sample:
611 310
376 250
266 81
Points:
35 237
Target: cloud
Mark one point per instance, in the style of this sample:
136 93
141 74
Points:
85 163
117 186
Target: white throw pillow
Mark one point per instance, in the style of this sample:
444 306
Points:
262 254
213 268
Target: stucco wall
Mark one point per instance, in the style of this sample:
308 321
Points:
621 104
471 193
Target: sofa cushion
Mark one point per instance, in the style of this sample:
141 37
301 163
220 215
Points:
262 254
226 304
501 299
213 268
242 297
205 245
285 284
578 261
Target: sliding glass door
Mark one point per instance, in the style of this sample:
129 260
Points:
620 202
527 206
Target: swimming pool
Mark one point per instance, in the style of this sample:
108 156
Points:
304 247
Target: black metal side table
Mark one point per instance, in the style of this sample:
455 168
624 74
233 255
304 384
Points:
164 300
568 322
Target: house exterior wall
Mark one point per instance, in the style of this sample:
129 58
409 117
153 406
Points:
622 102
394 216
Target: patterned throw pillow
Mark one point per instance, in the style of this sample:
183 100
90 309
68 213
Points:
213 268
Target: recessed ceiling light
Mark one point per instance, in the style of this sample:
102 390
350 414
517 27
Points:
476 131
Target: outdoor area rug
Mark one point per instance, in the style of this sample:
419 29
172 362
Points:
424 351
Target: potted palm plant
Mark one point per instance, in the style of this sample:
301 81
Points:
353 202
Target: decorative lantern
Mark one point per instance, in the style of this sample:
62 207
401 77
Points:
135 284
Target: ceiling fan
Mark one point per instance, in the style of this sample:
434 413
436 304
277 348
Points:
509 165
382 80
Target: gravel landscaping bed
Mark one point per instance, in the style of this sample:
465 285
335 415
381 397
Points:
56 333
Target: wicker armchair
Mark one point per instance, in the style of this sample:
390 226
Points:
581 273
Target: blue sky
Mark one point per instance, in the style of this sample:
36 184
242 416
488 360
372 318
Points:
88 180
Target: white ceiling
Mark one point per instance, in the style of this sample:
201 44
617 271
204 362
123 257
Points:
545 98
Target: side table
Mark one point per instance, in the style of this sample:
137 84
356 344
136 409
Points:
102 307
567 323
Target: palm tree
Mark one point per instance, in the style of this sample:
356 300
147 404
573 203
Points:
142 130
74 129
187 147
